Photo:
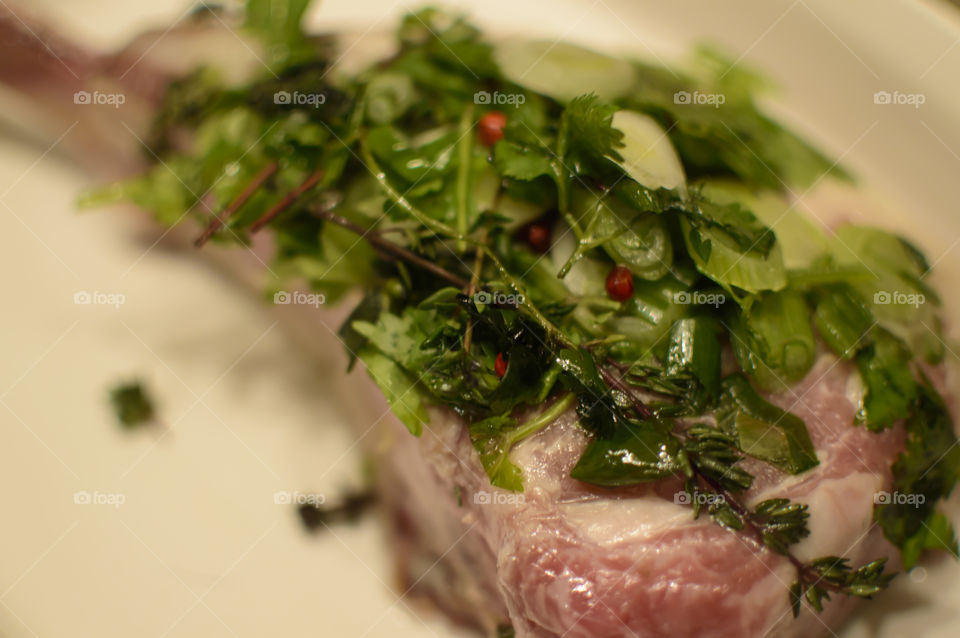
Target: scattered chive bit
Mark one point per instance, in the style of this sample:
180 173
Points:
349 509
132 405
506 631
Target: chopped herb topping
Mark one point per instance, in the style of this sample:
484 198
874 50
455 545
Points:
569 248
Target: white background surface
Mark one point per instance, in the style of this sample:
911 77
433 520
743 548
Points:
199 548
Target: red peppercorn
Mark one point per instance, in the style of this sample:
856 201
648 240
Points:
491 127
538 236
500 365
620 283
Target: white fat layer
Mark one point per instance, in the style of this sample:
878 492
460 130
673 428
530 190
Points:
609 522
839 509
855 389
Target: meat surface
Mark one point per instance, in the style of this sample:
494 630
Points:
566 559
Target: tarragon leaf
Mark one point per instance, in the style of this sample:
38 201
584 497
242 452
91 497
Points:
889 386
764 431
636 453
490 440
590 135
399 388
924 473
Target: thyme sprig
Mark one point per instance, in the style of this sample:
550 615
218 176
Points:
776 524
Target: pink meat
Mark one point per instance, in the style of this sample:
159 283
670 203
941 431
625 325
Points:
576 561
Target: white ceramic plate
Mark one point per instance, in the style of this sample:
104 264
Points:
198 547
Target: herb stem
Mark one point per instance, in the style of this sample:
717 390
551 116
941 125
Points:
236 204
289 199
472 288
638 405
562 178
518 288
390 247
464 175
436 226
537 423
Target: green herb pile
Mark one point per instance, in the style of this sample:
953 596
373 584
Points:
524 243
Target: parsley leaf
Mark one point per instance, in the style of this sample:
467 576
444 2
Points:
636 453
277 23
764 431
889 386
587 131
925 472
521 162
